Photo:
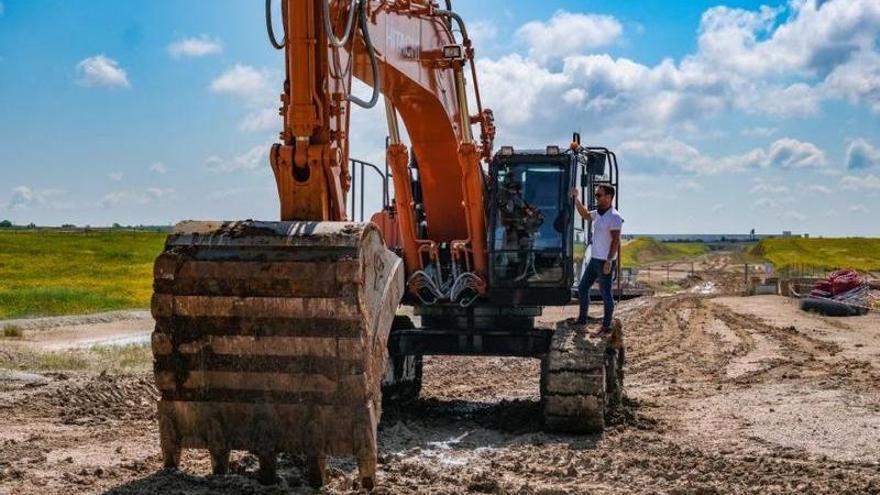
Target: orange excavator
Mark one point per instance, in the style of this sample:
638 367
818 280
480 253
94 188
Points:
285 336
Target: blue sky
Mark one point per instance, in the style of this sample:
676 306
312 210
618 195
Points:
727 115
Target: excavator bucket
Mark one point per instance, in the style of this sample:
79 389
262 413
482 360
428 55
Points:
271 337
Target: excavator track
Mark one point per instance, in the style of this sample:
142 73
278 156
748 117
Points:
581 380
271 337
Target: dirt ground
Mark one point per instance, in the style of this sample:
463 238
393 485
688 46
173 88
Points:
726 395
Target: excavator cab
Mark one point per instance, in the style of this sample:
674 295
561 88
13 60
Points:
530 226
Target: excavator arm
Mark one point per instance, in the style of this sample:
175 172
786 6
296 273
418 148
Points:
407 52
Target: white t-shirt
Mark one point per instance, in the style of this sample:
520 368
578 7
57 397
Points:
602 227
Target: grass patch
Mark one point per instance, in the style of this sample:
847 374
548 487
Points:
861 254
95 359
52 273
668 287
642 251
60 361
128 357
12 331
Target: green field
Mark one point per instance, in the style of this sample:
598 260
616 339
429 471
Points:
858 253
642 251
49 273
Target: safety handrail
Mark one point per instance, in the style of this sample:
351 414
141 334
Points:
359 188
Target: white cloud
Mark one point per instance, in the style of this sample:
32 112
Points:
856 80
814 189
257 92
864 183
668 150
811 37
764 132
134 198
101 71
782 62
858 209
24 197
159 168
791 153
263 120
767 188
195 47
228 193
568 34
796 100
482 32
690 185
860 155
246 83
767 203
254 158
786 153
116 176
794 216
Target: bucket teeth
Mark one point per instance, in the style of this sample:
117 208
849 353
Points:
271 337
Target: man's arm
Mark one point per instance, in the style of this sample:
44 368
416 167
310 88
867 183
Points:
585 213
615 245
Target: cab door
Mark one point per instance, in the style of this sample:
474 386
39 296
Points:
581 233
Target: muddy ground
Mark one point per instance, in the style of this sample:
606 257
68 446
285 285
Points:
726 395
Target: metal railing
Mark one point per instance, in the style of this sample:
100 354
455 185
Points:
357 196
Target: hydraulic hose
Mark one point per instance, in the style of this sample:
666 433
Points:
271 30
374 62
457 18
331 36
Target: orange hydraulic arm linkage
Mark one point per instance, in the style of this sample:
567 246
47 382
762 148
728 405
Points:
406 51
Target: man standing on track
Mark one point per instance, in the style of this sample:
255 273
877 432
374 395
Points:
607 225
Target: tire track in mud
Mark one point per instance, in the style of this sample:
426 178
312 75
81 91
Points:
687 338
85 400
736 384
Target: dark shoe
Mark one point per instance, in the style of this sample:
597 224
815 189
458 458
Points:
603 332
575 321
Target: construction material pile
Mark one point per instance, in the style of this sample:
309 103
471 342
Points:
843 293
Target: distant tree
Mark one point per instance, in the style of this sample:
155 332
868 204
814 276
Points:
32 225
68 226
116 225
5 224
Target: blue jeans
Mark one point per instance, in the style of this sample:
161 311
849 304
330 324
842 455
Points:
593 273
